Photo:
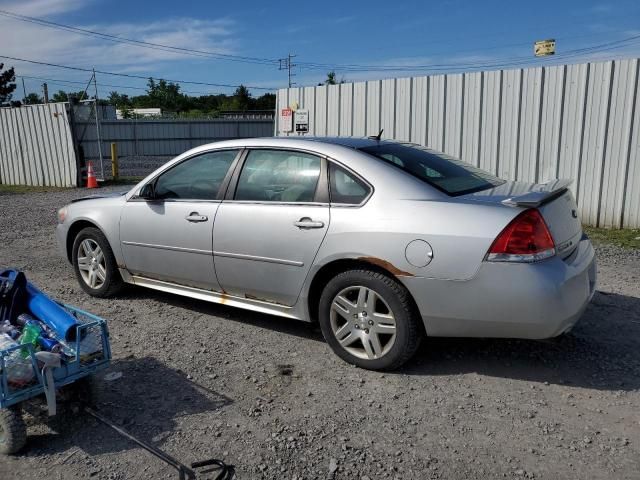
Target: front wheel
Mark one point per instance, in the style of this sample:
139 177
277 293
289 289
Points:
369 320
94 264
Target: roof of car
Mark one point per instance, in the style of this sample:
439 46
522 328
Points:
352 142
321 144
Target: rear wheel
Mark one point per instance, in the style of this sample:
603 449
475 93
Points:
94 264
369 320
13 431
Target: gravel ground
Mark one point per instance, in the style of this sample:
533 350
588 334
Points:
267 395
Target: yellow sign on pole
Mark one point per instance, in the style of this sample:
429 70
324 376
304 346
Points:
542 48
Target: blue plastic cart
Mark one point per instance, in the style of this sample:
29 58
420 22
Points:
89 353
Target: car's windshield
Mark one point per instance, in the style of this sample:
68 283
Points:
448 174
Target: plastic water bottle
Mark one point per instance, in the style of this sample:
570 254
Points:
6 342
24 319
19 369
30 334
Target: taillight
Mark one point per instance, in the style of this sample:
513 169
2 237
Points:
525 239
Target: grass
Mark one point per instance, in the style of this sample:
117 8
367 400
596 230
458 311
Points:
626 237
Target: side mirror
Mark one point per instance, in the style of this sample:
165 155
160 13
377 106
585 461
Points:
147 192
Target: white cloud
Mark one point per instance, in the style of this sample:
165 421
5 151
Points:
45 44
43 8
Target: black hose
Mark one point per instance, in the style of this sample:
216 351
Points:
226 472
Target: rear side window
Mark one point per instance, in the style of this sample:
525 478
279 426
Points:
279 176
448 174
198 178
345 187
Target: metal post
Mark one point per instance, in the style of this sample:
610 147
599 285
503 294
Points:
95 84
45 92
291 65
286 63
114 160
79 153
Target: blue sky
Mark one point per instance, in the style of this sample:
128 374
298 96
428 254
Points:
373 33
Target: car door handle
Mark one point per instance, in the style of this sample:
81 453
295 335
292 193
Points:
306 222
196 217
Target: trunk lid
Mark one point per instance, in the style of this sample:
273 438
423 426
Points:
554 201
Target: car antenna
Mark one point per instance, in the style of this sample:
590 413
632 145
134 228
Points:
377 137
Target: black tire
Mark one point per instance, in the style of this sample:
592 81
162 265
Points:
113 282
409 331
13 431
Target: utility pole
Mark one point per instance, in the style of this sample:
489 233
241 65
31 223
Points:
24 92
45 91
287 64
95 84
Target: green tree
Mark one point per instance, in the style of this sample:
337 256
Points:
331 78
165 95
126 111
60 96
32 99
119 99
7 85
73 97
265 102
242 98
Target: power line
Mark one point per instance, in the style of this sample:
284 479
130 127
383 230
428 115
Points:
145 44
516 44
141 43
444 66
59 81
129 75
287 64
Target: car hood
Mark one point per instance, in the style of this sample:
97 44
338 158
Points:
100 195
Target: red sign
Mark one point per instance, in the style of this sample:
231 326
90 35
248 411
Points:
286 112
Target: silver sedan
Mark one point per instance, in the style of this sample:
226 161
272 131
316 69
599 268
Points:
379 242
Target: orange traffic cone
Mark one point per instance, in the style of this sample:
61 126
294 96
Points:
91 177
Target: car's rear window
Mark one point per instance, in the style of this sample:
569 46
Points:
448 174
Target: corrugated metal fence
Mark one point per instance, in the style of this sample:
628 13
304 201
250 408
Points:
570 121
36 146
37 142
145 144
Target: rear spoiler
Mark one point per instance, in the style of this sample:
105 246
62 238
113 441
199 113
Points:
546 193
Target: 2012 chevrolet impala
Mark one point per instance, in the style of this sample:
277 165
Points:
380 242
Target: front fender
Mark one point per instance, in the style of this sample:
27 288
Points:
102 213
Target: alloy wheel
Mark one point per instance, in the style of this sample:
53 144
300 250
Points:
92 264
362 322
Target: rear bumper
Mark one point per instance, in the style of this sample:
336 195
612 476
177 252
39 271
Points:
539 300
